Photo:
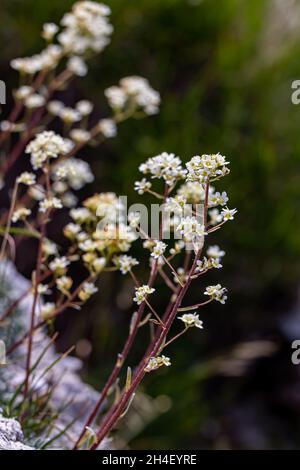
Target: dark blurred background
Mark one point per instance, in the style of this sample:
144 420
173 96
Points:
224 70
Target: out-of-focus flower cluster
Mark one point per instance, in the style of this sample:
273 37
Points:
133 93
99 231
56 172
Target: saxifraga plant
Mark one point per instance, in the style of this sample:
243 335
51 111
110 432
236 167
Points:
102 231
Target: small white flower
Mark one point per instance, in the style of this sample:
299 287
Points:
125 263
158 249
46 145
192 191
50 203
59 187
64 283
190 228
23 92
99 264
166 166
75 171
26 178
178 247
215 216
176 205
228 214
69 199
156 362
191 319
215 255
216 292
141 293
55 107
47 310
69 115
84 107
142 186
49 31
20 214
87 291
34 101
80 135
59 265
81 215
77 65
49 248
43 289
71 230
88 245
217 199
116 97
108 128
214 251
207 167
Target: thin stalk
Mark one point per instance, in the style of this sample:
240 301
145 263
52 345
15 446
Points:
8 225
34 304
119 362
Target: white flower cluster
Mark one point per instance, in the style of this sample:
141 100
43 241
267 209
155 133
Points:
216 292
213 261
142 186
190 320
82 109
166 166
176 205
74 171
141 293
34 101
23 92
157 362
217 199
158 249
191 229
64 284
20 214
207 167
50 203
26 178
46 145
108 128
49 31
119 237
134 93
125 263
47 310
59 265
192 191
88 289
48 59
107 205
77 66
86 28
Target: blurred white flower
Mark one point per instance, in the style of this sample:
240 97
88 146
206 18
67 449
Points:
141 293
216 292
190 320
156 362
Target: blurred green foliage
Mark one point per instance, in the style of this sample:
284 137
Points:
224 72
